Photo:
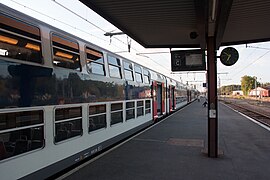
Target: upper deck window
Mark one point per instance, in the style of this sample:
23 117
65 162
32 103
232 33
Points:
153 75
19 40
128 70
65 53
95 61
146 75
114 67
138 73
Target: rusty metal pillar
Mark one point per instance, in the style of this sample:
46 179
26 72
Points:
212 98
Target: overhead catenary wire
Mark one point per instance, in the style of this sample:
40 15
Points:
249 55
85 19
252 63
235 68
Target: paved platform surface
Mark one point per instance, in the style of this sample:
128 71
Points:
172 149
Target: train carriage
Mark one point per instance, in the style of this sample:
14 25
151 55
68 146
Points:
63 99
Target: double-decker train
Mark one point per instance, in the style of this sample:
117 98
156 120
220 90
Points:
63 99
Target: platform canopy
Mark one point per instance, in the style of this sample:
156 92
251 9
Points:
187 23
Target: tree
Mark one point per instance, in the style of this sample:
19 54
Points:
247 83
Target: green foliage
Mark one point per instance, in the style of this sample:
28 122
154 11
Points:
247 83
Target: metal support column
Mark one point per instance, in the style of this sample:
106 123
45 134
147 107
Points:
212 98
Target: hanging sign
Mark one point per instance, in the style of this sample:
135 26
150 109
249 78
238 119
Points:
188 60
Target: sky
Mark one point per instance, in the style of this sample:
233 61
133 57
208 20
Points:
75 18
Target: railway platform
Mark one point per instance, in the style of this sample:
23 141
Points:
173 150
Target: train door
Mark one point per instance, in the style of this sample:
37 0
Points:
188 95
154 94
159 99
172 98
163 99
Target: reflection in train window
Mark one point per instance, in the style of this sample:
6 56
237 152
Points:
97 117
130 110
65 53
114 67
128 70
95 61
116 113
19 40
140 108
68 123
21 132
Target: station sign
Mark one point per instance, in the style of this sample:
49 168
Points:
188 60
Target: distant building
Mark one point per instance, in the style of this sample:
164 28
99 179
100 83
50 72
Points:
260 92
237 93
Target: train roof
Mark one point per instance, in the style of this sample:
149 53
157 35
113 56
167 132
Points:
35 22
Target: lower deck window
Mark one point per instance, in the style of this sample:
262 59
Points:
116 117
140 108
116 113
147 106
130 114
21 132
97 117
68 123
130 110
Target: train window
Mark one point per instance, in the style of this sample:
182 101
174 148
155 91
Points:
19 40
97 117
138 73
68 123
95 61
65 53
128 70
114 67
139 108
146 75
21 132
130 110
116 113
153 75
147 106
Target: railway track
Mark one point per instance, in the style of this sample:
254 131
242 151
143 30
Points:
260 117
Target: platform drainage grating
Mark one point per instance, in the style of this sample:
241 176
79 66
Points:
186 142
